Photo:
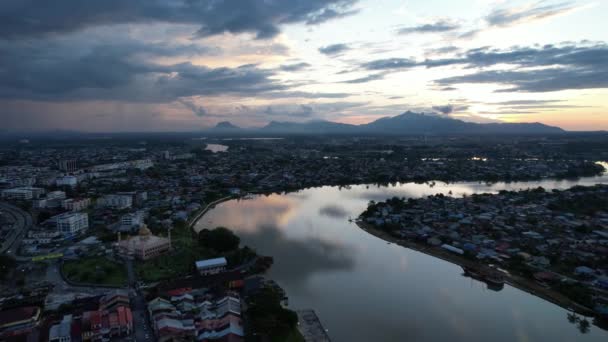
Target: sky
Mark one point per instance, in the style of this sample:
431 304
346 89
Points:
184 65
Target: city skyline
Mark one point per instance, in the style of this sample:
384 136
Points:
182 66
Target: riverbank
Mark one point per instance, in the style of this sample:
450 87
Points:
521 283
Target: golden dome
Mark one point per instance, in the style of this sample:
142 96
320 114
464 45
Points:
144 231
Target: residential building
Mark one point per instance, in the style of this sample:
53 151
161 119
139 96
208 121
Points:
71 223
70 181
76 204
23 193
116 201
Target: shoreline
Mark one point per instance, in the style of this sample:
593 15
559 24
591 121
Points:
518 282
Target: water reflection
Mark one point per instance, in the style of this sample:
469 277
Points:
333 211
299 258
367 290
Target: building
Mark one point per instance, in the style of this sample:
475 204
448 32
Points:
68 165
23 193
76 204
52 199
132 220
116 201
211 266
144 246
71 223
70 181
18 321
62 331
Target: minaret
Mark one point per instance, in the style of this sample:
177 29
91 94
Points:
169 236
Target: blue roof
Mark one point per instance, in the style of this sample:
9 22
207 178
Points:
211 263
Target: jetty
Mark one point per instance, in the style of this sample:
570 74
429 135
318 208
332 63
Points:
310 327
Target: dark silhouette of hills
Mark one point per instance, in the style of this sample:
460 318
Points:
408 123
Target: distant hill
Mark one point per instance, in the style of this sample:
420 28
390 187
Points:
226 126
420 123
408 123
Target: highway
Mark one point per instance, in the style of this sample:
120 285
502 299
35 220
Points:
22 223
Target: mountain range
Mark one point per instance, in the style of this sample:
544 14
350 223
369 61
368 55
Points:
408 123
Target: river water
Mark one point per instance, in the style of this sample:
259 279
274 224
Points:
364 289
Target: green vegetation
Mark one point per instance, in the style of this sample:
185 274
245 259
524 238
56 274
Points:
189 247
98 270
220 239
584 203
179 262
269 318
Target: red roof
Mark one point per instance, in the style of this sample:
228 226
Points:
17 314
179 292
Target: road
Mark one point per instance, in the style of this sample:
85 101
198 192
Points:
141 320
22 223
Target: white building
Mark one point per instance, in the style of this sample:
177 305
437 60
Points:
52 199
116 201
131 220
71 223
61 332
76 204
24 193
211 266
71 181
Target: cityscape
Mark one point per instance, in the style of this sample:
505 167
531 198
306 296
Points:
303 171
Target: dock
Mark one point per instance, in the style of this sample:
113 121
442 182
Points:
310 327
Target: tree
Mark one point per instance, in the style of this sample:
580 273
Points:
220 239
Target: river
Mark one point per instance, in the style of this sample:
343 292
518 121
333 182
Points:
364 289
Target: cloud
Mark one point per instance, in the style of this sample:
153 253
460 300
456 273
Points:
504 17
199 111
546 69
294 67
390 63
439 26
334 211
368 78
23 18
449 109
334 49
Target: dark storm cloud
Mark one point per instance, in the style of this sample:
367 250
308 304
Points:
334 49
112 73
22 18
504 17
440 26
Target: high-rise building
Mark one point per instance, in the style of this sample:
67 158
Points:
68 165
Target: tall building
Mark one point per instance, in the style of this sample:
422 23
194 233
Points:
68 165
71 223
